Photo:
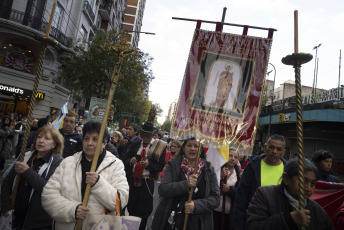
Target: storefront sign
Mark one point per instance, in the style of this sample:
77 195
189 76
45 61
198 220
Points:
20 91
11 89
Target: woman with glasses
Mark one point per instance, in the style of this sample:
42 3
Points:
174 148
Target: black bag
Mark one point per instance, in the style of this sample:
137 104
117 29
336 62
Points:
176 219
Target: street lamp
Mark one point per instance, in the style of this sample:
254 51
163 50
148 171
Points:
272 97
315 70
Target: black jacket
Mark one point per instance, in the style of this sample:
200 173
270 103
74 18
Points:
36 217
170 188
155 165
72 144
270 209
249 182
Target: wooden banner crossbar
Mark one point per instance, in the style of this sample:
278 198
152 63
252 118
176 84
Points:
225 23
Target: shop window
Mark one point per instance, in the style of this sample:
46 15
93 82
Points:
17 57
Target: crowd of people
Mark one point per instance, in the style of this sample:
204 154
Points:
258 192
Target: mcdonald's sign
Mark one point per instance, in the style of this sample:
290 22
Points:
280 117
40 96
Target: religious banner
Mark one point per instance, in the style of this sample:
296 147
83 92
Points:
96 109
222 86
330 196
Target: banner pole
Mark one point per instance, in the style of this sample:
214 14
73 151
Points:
192 189
114 79
45 41
296 60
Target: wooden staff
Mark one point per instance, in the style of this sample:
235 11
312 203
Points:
45 41
296 60
192 189
223 204
123 49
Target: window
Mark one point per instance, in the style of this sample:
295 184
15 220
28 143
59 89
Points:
83 33
17 56
57 16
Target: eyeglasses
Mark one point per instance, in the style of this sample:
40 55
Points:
173 146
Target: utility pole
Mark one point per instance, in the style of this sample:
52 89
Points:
340 61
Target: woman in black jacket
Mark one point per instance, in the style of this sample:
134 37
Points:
35 170
174 189
276 207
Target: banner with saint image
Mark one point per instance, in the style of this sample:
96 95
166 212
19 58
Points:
222 86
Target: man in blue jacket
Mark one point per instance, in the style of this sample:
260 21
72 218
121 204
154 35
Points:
263 170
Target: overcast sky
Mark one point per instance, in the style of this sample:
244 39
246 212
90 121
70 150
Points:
319 22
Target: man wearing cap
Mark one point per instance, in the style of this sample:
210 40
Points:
145 162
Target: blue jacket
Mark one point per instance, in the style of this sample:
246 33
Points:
249 182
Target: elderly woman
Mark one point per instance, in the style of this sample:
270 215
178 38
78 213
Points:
229 181
276 207
174 189
174 148
323 159
64 192
116 138
34 171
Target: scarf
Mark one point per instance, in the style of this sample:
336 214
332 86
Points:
188 170
138 167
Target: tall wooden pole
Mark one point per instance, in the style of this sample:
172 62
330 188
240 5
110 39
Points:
296 60
45 41
123 49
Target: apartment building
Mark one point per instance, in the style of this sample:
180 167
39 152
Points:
21 22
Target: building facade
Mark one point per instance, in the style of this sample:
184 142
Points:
21 23
323 124
133 20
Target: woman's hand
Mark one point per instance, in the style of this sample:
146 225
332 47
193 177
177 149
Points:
225 188
81 212
301 217
20 167
189 207
192 180
92 178
224 172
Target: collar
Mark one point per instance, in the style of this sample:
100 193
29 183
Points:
133 138
292 200
45 158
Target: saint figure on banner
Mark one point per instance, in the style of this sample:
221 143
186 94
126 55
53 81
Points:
222 85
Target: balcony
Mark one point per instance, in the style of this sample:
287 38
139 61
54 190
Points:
104 10
38 24
89 11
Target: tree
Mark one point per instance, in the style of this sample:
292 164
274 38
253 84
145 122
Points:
89 69
166 126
